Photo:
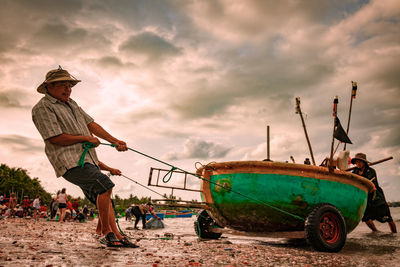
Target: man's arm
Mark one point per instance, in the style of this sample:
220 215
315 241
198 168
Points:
113 171
67 139
97 130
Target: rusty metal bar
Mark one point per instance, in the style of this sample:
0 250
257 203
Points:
186 201
178 188
158 171
150 175
193 206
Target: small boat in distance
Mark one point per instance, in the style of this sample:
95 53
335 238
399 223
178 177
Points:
184 214
159 214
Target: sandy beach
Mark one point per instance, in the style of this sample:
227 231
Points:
25 242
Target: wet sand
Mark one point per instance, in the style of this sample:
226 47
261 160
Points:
25 242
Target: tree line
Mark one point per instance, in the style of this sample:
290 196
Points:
18 181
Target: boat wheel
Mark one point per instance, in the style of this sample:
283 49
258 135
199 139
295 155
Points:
325 228
204 224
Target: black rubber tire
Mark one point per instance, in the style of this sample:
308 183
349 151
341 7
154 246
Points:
204 224
325 228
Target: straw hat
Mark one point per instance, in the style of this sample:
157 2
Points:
57 75
360 156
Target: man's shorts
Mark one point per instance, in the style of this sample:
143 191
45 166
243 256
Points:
90 179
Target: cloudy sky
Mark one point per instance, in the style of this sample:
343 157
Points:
199 81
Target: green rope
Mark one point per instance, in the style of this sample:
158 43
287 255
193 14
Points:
170 175
201 178
85 146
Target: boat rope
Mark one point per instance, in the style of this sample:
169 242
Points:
144 186
87 145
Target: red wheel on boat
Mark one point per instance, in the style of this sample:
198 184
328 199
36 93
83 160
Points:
326 228
204 224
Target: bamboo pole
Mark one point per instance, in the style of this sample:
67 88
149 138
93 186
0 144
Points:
268 155
298 110
335 103
353 96
372 163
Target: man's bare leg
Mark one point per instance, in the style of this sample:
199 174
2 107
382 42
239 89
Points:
392 227
112 223
371 225
98 228
103 205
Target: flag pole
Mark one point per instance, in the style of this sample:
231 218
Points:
335 103
298 110
353 96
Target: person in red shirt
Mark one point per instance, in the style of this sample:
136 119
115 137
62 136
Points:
75 205
26 206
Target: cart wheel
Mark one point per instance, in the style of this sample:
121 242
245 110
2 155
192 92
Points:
204 224
325 228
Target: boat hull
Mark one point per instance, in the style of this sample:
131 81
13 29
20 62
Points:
257 196
161 215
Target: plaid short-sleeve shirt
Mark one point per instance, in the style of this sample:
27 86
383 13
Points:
53 117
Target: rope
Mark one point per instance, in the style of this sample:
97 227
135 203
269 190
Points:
144 186
85 145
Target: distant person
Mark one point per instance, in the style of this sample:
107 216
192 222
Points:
12 205
128 214
377 207
26 206
64 126
53 207
307 161
69 211
80 217
62 199
36 207
75 205
140 211
85 211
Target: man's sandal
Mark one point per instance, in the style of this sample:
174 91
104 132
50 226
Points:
127 243
110 240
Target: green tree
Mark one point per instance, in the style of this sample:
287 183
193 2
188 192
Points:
18 181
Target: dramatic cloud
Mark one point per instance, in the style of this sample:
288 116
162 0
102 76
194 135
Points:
19 143
199 149
201 79
152 46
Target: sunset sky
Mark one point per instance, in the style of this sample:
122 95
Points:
199 81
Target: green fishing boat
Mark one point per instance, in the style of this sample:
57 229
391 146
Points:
265 197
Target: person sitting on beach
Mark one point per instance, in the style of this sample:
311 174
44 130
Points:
13 205
64 127
140 211
377 207
80 217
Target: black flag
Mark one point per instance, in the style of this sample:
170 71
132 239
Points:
340 134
